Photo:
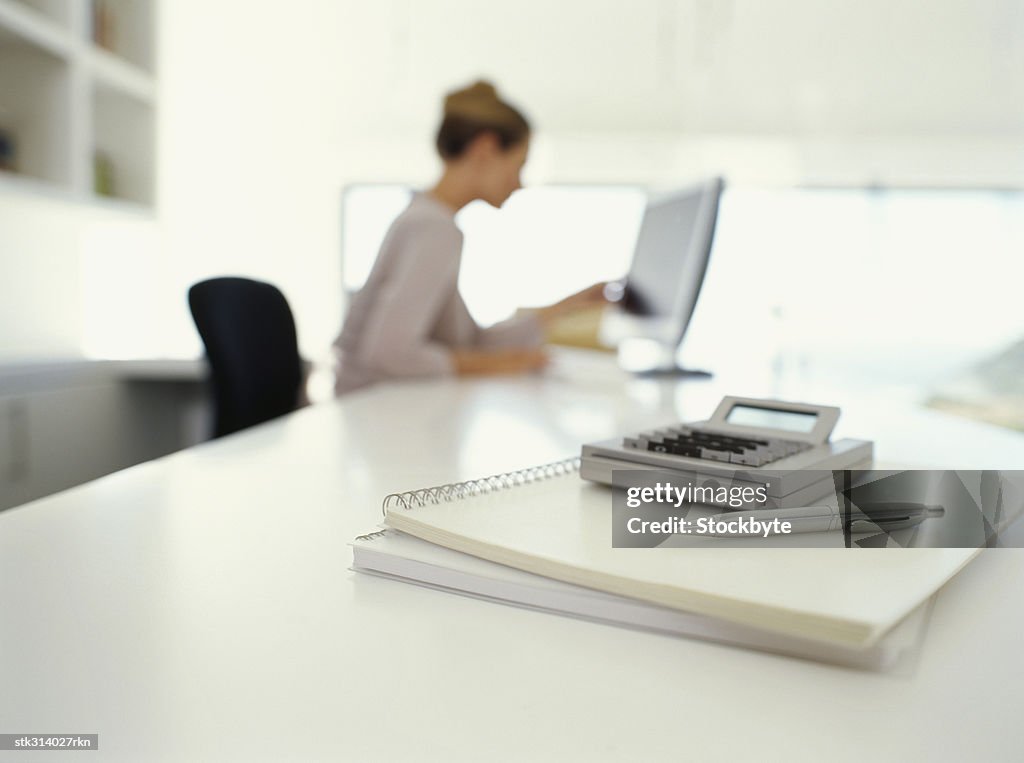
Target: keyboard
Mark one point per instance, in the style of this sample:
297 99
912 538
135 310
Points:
709 445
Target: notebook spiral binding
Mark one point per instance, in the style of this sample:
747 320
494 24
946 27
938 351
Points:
456 491
372 536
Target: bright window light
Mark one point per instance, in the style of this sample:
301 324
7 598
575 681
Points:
898 285
545 243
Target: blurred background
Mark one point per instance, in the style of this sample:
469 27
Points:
872 227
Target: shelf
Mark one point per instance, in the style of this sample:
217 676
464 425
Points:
122 146
118 74
35 110
12 182
118 205
124 28
54 10
22 186
78 101
22 22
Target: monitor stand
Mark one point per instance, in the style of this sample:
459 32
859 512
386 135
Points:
654 360
671 372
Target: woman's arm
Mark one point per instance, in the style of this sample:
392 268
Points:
527 328
585 299
507 361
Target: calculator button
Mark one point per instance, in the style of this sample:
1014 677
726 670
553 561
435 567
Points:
715 455
685 449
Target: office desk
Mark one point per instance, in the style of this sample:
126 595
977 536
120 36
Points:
67 421
200 607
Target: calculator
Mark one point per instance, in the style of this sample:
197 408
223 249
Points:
784 446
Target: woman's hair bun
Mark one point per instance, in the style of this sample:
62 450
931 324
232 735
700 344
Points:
480 103
475 109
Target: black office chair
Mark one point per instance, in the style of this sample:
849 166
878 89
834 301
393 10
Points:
249 333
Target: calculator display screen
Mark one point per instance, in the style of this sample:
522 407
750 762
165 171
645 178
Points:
768 418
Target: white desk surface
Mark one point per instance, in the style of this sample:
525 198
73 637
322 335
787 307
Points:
200 607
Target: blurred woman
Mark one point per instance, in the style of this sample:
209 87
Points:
409 320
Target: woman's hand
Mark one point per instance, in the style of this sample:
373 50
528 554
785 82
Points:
511 361
590 297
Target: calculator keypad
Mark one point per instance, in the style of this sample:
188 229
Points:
693 442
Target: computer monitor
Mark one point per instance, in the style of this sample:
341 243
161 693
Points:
657 298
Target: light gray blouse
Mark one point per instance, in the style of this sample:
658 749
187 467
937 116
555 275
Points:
409 315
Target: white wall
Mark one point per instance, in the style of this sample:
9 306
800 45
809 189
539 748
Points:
268 109
74 278
801 91
801 69
248 183
39 295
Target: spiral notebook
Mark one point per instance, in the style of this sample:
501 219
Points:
394 555
549 522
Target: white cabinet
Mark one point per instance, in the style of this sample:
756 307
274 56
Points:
63 424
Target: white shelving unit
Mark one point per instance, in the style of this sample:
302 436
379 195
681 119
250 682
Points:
78 98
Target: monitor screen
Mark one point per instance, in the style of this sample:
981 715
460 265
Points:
669 262
660 261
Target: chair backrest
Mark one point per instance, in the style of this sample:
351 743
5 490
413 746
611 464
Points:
249 333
